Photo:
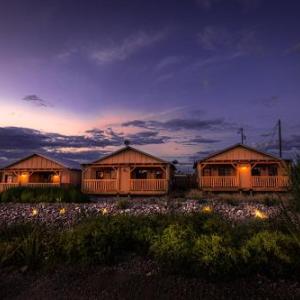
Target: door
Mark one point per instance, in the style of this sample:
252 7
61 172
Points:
245 176
124 180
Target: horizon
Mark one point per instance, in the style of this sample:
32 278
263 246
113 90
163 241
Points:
178 80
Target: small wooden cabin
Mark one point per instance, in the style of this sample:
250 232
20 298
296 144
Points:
242 168
37 170
127 171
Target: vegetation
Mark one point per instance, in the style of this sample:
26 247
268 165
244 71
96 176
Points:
199 244
43 194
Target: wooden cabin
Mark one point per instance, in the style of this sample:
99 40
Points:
37 170
242 168
127 171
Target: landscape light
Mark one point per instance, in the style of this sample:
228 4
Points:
260 215
62 211
207 209
104 211
34 212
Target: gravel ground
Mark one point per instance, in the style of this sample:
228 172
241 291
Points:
68 214
137 279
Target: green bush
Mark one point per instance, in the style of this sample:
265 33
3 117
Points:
173 247
101 240
122 204
213 255
270 251
47 194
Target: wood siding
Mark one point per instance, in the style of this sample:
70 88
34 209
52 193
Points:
129 156
240 153
37 163
123 164
242 161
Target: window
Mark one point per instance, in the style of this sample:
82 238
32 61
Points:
256 171
272 171
225 171
207 172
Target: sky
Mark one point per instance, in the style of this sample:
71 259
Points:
175 78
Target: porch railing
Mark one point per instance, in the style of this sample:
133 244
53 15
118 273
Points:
99 185
270 181
148 184
219 181
5 186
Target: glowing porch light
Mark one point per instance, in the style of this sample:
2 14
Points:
55 178
260 214
62 211
243 168
207 209
34 212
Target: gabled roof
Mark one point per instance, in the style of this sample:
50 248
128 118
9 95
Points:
68 164
126 148
236 146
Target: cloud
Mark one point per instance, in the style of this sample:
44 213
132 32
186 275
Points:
295 49
15 141
36 100
200 140
220 39
167 62
147 137
179 124
246 5
129 46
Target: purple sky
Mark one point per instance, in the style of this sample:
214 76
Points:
176 78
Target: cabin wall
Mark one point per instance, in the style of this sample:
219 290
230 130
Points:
35 162
129 157
240 154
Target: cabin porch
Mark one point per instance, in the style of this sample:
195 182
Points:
10 179
247 176
124 179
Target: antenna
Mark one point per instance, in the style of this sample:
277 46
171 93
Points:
279 138
241 132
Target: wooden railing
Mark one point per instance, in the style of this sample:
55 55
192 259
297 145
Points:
148 184
99 185
270 181
5 186
219 181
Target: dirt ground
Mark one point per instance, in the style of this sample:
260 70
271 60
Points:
135 280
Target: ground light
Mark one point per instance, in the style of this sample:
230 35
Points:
34 212
207 209
104 211
260 214
62 211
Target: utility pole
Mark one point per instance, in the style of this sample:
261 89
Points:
279 138
243 137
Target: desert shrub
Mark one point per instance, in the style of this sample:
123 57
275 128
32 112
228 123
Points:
231 199
48 194
122 204
269 251
215 224
194 194
213 255
100 240
23 245
173 247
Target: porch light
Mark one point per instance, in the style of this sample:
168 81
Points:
207 209
55 178
34 212
243 168
62 211
260 214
